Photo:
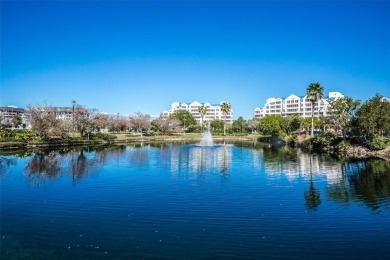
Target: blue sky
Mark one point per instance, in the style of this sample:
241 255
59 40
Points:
127 56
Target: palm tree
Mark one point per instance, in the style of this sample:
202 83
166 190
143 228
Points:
202 111
314 93
225 108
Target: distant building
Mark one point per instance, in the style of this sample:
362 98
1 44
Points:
213 111
385 99
293 104
62 113
9 112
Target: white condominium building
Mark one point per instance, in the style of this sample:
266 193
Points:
213 111
296 105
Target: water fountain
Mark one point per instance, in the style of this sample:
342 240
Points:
207 138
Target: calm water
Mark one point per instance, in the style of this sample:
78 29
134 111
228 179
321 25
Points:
182 201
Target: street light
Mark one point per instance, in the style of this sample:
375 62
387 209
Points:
73 102
117 122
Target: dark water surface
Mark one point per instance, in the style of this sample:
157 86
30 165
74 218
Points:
182 201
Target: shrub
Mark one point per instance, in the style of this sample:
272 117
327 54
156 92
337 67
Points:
343 146
293 140
378 143
327 141
17 135
282 134
102 136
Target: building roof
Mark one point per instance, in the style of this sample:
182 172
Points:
12 109
189 103
385 99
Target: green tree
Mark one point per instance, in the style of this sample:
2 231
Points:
225 108
217 125
185 118
290 124
202 111
271 125
325 123
253 124
373 117
314 93
240 125
343 111
16 121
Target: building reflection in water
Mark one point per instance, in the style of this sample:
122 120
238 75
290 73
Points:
293 165
346 181
193 160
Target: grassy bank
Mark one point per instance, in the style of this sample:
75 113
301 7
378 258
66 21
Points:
120 138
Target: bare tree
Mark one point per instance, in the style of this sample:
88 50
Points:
167 125
101 121
117 123
85 118
43 120
140 121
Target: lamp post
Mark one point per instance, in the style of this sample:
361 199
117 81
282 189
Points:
73 102
117 122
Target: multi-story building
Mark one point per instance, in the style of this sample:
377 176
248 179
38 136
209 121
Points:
213 111
296 105
62 113
9 112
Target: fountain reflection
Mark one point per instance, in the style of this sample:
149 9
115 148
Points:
190 161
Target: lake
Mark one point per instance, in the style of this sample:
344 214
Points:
184 201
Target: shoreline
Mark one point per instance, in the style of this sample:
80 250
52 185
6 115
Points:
354 151
361 152
6 146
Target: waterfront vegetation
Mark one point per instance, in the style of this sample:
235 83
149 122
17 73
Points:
348 123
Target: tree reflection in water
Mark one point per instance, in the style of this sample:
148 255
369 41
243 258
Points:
364 181
5 164
43 166
79 165
348 180
312 196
